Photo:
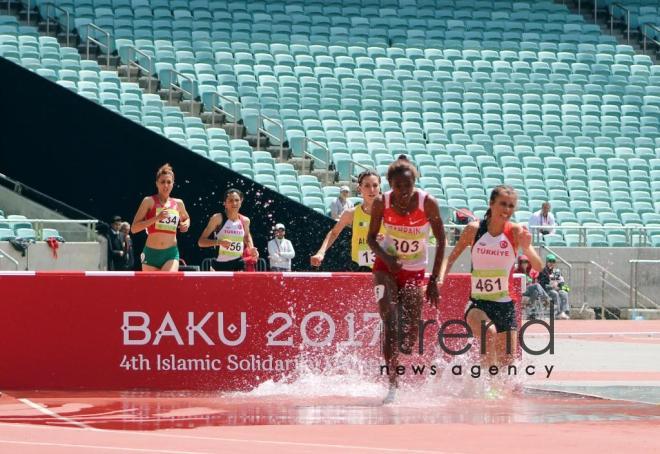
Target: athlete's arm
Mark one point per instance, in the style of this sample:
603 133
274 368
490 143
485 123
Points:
204 240
184 225
377 211
466 239
345 219
249 243
523 238
433 215
140 222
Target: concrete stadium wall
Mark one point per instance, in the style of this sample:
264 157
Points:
14 203
89 256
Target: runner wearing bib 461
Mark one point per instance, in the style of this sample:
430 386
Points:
494 242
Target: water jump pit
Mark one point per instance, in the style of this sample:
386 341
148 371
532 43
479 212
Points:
93 362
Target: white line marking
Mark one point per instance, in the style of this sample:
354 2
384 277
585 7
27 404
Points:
208 274
126 433
305 274
52 414
604 333
18 273
69 445
109 273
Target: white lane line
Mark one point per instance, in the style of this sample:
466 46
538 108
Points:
52 414
126 433
596 333
113 448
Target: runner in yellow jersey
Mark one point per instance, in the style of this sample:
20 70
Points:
358 218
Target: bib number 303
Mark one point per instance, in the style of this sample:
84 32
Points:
406 246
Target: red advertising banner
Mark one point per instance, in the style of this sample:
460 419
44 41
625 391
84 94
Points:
200 331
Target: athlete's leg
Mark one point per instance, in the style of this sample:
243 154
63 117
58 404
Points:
385 288
409 308
478 320
146 267
506 355
170 265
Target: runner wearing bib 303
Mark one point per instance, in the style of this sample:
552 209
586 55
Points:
406 237
408 215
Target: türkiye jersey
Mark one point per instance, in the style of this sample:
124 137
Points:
493 258
406 236
361 253
234 232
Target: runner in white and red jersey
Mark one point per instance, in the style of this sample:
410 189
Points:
407 215
495 242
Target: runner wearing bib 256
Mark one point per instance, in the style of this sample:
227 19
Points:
161 215
230 236
408 215
358 218
494 242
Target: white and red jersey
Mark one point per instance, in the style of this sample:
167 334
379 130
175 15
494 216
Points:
168 224
234 232
493 260
406 236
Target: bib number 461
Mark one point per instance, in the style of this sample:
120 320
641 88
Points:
488 285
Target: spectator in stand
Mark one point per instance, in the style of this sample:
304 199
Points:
280 250
129 258
341 204
554 285
534 291
542 221
116 258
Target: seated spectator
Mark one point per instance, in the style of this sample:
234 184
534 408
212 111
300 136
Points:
341 204
542 221
554 285
533 291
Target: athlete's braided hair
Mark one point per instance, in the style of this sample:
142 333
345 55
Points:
496 192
